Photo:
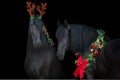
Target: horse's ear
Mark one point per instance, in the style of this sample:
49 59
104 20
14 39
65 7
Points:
66 24
58 22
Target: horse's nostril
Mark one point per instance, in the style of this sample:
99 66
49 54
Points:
60 57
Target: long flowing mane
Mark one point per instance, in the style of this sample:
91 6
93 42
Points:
80 36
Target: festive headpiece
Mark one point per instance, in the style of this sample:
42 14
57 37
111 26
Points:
41 9
30 8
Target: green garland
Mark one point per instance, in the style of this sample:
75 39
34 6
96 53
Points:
40 17
95 47
47 35
32 17
82 64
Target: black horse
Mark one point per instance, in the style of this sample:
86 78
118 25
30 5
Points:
79 38
75 37
41 61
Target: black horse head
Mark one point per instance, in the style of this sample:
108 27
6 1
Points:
36 25
35 29
75 37
63 39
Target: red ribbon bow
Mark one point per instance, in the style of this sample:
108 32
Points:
81 65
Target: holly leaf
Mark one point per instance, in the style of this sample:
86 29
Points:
40 17
76 61
32 17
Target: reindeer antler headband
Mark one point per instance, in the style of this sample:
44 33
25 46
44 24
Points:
41 9
30 8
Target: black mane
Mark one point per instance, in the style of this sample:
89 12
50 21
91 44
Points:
81 36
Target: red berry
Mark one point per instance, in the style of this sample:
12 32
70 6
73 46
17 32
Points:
95 53
77 54
99 45
93 47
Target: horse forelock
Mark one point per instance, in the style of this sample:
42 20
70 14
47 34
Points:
60 32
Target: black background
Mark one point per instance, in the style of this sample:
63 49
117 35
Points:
103 15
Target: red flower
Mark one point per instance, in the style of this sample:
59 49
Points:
95 53
77 54
46 30
93 47
81 65
99 45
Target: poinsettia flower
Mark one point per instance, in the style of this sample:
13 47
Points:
81 65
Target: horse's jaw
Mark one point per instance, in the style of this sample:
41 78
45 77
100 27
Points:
60 54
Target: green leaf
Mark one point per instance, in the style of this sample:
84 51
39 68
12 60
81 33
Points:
76 61
95 43
40 17
100 32
88 64
49 39
43 28
32 17
94 59
90 59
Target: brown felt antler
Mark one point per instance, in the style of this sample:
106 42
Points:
30 8
41 9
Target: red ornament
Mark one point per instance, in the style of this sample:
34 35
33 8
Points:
95 53
81 65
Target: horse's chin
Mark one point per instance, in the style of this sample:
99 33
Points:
60 56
